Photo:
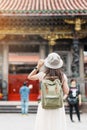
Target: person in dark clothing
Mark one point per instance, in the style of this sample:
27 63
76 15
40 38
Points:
74 99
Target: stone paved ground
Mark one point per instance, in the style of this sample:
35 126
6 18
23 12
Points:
77 125
23 122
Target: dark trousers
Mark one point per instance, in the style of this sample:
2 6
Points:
76 106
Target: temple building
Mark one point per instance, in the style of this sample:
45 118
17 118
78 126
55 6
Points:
29 30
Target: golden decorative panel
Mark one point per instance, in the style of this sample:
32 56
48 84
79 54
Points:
77 22
46 32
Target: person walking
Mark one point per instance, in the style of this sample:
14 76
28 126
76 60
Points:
74 99
24 93
50 119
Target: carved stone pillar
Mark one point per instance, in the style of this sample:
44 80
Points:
50 48
42 51
5 71
1 64
75 61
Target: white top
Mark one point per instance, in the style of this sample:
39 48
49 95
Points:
42 74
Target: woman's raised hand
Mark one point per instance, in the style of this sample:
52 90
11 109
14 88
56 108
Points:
40 63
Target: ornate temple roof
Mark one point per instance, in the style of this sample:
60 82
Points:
43 7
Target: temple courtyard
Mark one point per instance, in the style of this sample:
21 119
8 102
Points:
26 122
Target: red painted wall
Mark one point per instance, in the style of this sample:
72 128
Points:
16 81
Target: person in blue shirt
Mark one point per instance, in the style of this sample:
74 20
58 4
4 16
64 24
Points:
24 93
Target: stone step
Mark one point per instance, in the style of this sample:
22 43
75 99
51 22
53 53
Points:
84 107
15 107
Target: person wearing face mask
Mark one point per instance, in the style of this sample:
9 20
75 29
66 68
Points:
74 99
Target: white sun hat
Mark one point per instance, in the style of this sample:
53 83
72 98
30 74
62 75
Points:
53 61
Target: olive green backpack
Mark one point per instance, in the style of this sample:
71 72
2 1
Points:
52 94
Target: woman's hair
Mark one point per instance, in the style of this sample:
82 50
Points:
58 73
